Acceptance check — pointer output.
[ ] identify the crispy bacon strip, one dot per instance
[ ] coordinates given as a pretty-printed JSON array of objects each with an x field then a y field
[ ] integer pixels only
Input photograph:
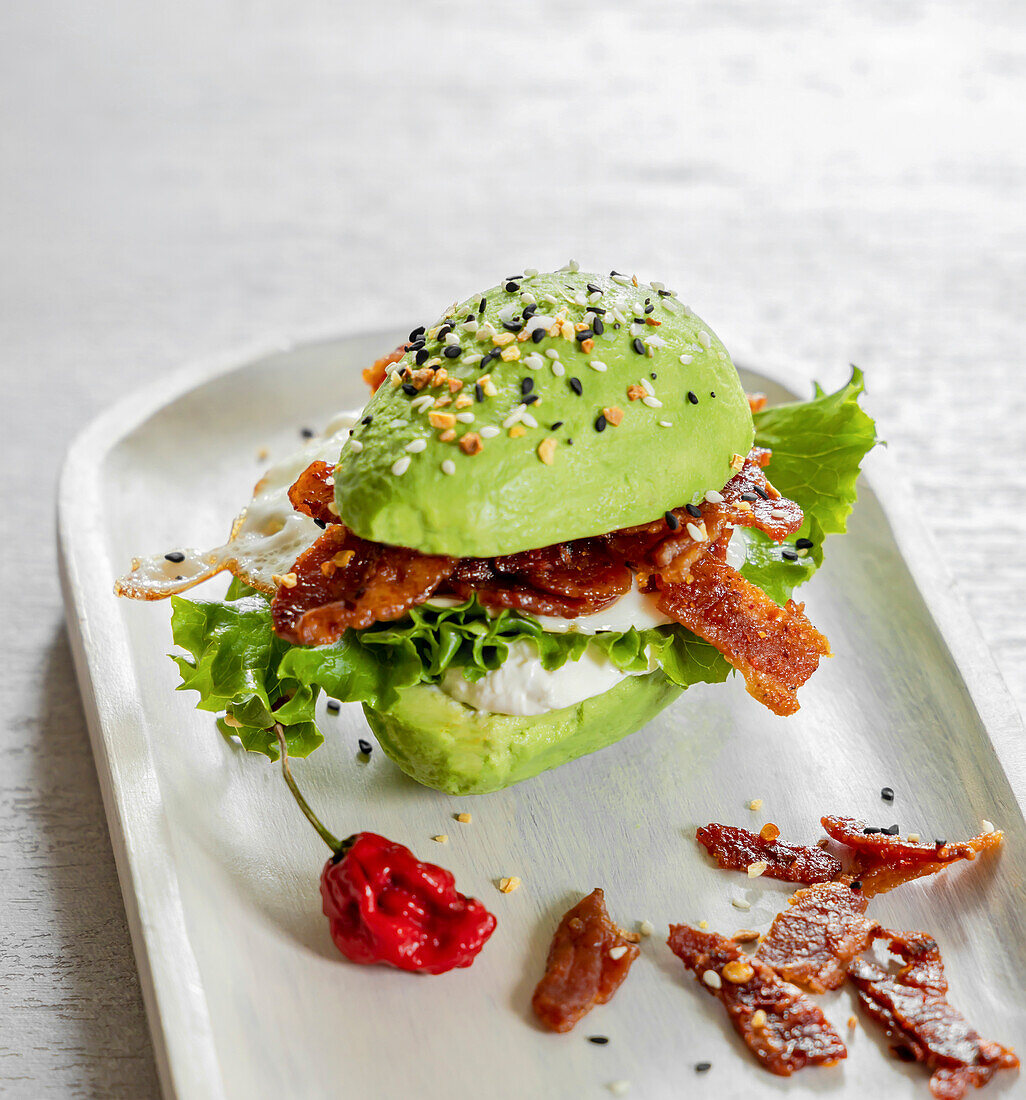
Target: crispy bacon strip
[
  {"x": 375, "y": 374},
  {"x": 735, "y": 849},
  {"x": 588, "y": 960},
  {"x": 749, "y": 500},
  {"x": 883, "y": 861},
  {"x": 775, "y": 648},
  {"x": 791, "y": 1031},
  {"x": 913, "y": 1010},
  {"x": 344, "y": 581},
  {"x": 814, "y": 941},
  {"x": 313, "y": 493}
]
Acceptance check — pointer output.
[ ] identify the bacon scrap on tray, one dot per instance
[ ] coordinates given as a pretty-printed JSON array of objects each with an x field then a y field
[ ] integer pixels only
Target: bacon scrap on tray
[
  {"x": 736, "y": 849},
  {"x": 912, "y": 1007},
  {"x": 377, "y": 372},
  {"x": 588, "y": 960},
  {"x": 783, "y": 1028},
  {"x": 681, "y": 558},
  {"x": 814, "y": 941},
  {"x": 884, "y": 860}
]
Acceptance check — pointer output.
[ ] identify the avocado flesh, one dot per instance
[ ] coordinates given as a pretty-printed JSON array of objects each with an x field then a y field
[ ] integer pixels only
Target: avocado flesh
[
  {"x": 507, "y": 498},
  {"x": 454, "y": 748}
]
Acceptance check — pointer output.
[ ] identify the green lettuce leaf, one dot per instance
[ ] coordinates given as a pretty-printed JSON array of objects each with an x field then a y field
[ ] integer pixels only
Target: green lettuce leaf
[{"x": 244, "y": 672}]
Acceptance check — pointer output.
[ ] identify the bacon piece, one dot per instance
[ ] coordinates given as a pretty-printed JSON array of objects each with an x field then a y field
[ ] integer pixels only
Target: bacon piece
[
  {"x": 912, "y": 1007},
  {"x": 775, "y": 648},
  {"x": 756, "y": 401},
  {"x": 375, "y": 374},
  {"x": 344, "y": 581},
  {"x": 749, "y": 500},
  {"x": 794, "y": 1032},
  {"x": 580, "y": 972},
  {"x": 567, "y": 579},
  {"x": 883, "y": 861},
  {"x": 734, "y": 849},
  {"x": 814, "y": 941},
  {"x": 314, "y": 495}
]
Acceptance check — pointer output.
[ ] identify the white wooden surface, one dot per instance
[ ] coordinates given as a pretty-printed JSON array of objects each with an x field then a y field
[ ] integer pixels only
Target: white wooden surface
[{"x": 827, "y": 184}]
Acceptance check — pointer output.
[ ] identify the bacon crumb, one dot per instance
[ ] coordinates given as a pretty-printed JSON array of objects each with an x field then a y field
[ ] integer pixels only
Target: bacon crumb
[
  {"x": 635, "y": 392},
  {"x": 613, "y": 415},
  {"x": 737, "y": 849},
  {"x": 471, "y": 444},
  {"x": 791, "y": 1033},
  {"x": 375, "y": 374},
  {"x": 582, "y": 970}
]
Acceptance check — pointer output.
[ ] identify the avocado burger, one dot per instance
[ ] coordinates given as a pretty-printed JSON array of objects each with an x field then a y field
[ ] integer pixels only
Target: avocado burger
[{"x": 558, "y": 510}]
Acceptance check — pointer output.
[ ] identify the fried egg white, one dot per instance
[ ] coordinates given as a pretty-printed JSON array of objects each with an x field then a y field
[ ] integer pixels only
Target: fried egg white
[{"x": 265, "y": 539}]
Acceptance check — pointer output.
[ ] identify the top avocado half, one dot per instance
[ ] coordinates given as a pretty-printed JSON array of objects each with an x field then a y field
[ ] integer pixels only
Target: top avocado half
[{"x": 551, "y": 407}]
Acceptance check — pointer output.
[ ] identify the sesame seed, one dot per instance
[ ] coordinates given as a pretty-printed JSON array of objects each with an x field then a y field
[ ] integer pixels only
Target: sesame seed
[
  {"x": 597, "y": 364},
  {"x": 364, "y": 746},
  {"x": 575, "y": 385},
  {"x": 712, "y": 979},
  {"x": 366, "y": 419},
  {"x": 671, "y": 521},
  {"x": 409, "y": 389},
  {"x": 755, "y": 804},
  {"x": 176, "y": 556},
  {"x": 988, "y": 826},
  {"x": 757, "y": 868},
  {"x": 713, "y": 496},
  {"x": 416, "y": 446},
  {"x": 696, "y": 532},
  {"x": 528, "y": 420},
  {"x": 306, "y": 433},
  {"x": 478, "y": 392},
  {"x": 448, "y": 466},
  {"x": 638, "y": 346},
  {"x": 465, "y": 417},
  {"x": 651, "y": 402},
  {"x": 512, "y": 287},
  {"x": 887, "y": 794},
  {"x": 803, "y": 544},
  {"x": 552, "y": 353},
  {"x": 740, "y": 903},
  {"x": 473, "y": 358},
  {"x": 618, "y": 952},
  {"x": 665, "y": 423},
  {"x": 692, "y": 397},
  {"x": 619, "y": 1088},
  {"x": 704, "y": 339},
  {"x": 489, "y": 432},
  {"x": 401, "y": 465},
  {"x": 600, "y": 423},
  {"x": 334, "y": 706},
  {"x": 442, "y": 838},
  {"x": 788, "y": 555},
  {"x": 686, "y": 359},
  {"x": 534, "y": 361},
  {"x": 598, "y": 1040},
  {"x": 703, "y": 1067},
  {"x": 526, "y": 385},
  {"x": 558, "y": 369},
  {"x": 693, "y": 510}
]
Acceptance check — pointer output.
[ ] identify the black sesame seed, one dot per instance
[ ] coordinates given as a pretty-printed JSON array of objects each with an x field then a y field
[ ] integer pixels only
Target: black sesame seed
[
  {"x": 887, "y": 794},
  {"x": 481, "y": 305},
  {"x": 870, "y": 830},
  {"x": 452, "y": 351},
  {"x": 417, "y": 333},
  {"x": 856, "y": 885},
  {"x": 638, "y": 346},
  {"x": 598, "y": 326},
  {"x": 513, "y": 278},
  {"x": 648, "y": 309},
  {"x": 306, "y": 433},
  {"x": 555, "y": 427},
  {"x": 762, "y": 492},
  {"x": 612, "y": 274},
  {"x": 469, "y": 317},
  {"x": 671, "y": 521},
  {"x": 409, "y": 389},
  {"x": 584, "y": 334},
  {"x": 692, "y": 397},
  {"x": 600, "y": 422},
  {"x": 176, "y": 556},
  {"x": 639, "y": 320},
  {"x": 905, "y": 1054},
  {"x": 569, "y": 442},
  {"x": 417, "y": 344},
  {"x": 693, "y": 510},
  {"x": 365, "y": 747},
  {"x": 334, "y": 706},
  {"x": 526, "y": 385},
  {"x": 703, "y": 1067},
  {"x": 538, "y": 335},
  {"x": 512, "y": 286},
  {"x": 531, "y": 398},
  {"x": 598, "y": 1040},
  {"x": 443, "y": 332},
  {"x": 179, "y": 577},
  {"x": 749, "y": 497},
  {"x": 478, "y": 392},
  {"x": 595, "y": 309},
  {"x": 940, "y": 841},
  {"x": 653, "y": 376},
  {"x": 529, "y": 312},
  {"x": 320, "y": 523},
  {"x": 789, "y": 555},
  {"x": 593, "y": 289},
  {"x": 891, "y": 830},
  {"x": 712, "y": 393},
  {"x": 803, "y": 544},
  {"x": 490, "y": 357},
  {"x": 512, "y": 326},
  {"x": 366, "y": 419},
  {"x": 421, "y": 357},
  {"x": 575, "y": 385}
]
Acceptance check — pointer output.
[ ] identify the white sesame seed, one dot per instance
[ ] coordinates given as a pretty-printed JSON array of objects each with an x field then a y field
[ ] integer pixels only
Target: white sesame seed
[
  {"x": 490, "y": 431},
  {"x": 595, "y": 296},
  {"x": 655, "y": 342},
  {"x": 657, "y": 286},
  {"x": 549, "y": 299},
  {"x": 465, "y": 418},
  {"x": 638, "y": 330},
  {"x": 401, "y": 465},
  {"x": 552, "y": 353},
  {"x": 355, "y": 446},
  {"x": 399, "y": 422},
  {"x": 528, "y": 299},
  {"x": 652, "y": 402},
  {"x": 685, "y": 359},
  {"x": 665, "y": 423},
  {"x": 740, "y": 903},
  {"x": 515, "y": 416},
  {"x": 713, "y": 496},
  {"x": 696, "y": 532},
  {"x": 757, "y": 868},
  {"x": 988, "y": 826},
  {"x": 579, "y": 299},
  {"x": 648, "y": 387},
  {"x": 558, "y": 369},
  {"x": 529, "y": 420},
  {"x": 530, "y": 272},
  {"x": 704, "y": 338},
  {"x": 712, "y": 979},
  {"x": 646, "y": 928},
  {"x": 618, "y": 317},
  {"x": 448, "y": 466},
  {"x": 617, "y": 952},
  {"x": 597, "y": 364},
  {"x": 777, "y": 513},
  {"x": 422, "y": 402},
  {"x": 533, "y": 361},
  {"x": 574, "y": 266},
  {"x": 472, "y": 358},
  {"x": 471, "y": 325},
  {"x": 623, "y": 280},
  {"x": 619, "y": 1088},
  {"x": 416, "y": 446},
  {"x": 451, "y": 338}
]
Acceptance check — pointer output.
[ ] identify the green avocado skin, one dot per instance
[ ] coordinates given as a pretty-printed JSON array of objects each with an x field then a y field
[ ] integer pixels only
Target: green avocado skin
[
  {"x": 505, "y": 499},
  {"x": 443, "y": 744}
]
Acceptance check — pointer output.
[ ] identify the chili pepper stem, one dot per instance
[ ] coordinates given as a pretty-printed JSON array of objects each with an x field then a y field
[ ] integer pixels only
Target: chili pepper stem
[{"x": 331, "y": 841}]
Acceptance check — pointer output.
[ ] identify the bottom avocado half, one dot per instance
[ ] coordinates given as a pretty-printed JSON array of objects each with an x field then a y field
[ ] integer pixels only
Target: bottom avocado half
[{"x": 454, "y": 748}]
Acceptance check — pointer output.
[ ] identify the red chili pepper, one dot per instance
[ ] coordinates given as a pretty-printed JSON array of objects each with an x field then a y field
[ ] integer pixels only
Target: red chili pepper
[{"x": 385, "y": 906}]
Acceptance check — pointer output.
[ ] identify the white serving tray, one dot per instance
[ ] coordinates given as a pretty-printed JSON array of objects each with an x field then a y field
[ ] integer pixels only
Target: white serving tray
[{"x": 246, "y": 995}]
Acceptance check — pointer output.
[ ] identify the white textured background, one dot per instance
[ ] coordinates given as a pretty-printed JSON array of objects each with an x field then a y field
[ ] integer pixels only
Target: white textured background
[{"x": 823, "y": 183}]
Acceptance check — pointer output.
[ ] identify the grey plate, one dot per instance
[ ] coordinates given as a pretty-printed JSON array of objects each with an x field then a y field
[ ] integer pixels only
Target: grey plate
[{"x": 245, "y": 993}]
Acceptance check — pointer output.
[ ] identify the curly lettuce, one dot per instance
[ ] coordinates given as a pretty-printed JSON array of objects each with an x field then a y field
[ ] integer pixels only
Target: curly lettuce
[{"x": 244, "y": 672}]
